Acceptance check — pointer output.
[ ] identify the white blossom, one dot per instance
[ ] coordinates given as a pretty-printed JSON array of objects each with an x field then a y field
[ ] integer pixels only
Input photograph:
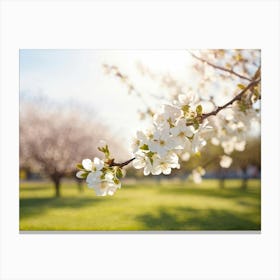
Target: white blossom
[
  {"x": 171, "y": 113},
  {"x": 197, "y": 174},
  {"x": 98, "y": 164},
  {"x": 159, "y": 120},
  {"x": 99, "y": 177},
  {"x": 93, "y": 178},
  {"x": 185, "y": 156},
  {"x": 162, "y": 142},
  {"x": 228, "y": 146},
  {"x": 215, "y": 141},
  {"x": 88, "y": 165},
  {"x": 225, "y": 161},
  {"x": 199, "y": 136},
  {"x": 197, "y": 143},
  {"x": 106, "y": 186},
  {"x": 240, "y": 146},
  {"x": 165, "y": 164},
  {"x": 138, "y": 141},
  {"x": 186, "y": 99},
  {"x": 180, "y": 132},
  {"x": 142, "y": 161}
]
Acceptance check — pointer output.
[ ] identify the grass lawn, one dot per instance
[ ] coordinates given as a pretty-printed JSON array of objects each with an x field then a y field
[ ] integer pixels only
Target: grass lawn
[{"x": 142, "y": 206}]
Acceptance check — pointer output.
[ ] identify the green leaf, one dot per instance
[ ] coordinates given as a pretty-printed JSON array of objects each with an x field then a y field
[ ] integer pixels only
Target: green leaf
[
  {"x": 144, "y": 147},
  {"x": 198, "y": 154},
  {"x": 195, "y": 124},
  {"x": 84, "y": 176},
  {"x": 170, "y": 123},
  {"x": 80, "y": 166},
  {"x": 185, "y": 108},
  {"x": 105, "y": 150},
  {"x": 199, "y": 110},
  {"x": 241, "y": 86},
  {"x": 242, "y": 106},
  {"x": 116, "y": 181},
  {"x": 119, "y": 173},
  {"x": 150, "y": 154}
]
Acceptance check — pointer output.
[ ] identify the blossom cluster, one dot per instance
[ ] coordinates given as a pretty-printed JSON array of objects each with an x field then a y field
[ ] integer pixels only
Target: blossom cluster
[
  {"x": 100, "y": 175},
  {"x": 177, "y": 131},
  {"x": 229, "y": 130},
  {"x": 197, "y": 174}
]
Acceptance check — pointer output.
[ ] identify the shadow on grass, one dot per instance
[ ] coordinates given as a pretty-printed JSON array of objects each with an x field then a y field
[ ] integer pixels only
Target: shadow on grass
[
  {"x": 218, "y": 193},
  {"x": 37, "y": 206},
  {"x": 186, "y": 218},
  {"x": 37, "y": 188}
]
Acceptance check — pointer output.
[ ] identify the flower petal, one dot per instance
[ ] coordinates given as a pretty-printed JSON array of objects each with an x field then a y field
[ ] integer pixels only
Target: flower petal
[
  {"x": 166, "y": 171},
  {"x": 109, "y": 176},
  {"x": 98, "y": 163},
  {"x": 93, "y": 178},
  {"x": 138, "y": 163},
  {"x": 225, "y": 161},
  {"x": 80, "y": 174},
  {"x": 87, "y": 164}
]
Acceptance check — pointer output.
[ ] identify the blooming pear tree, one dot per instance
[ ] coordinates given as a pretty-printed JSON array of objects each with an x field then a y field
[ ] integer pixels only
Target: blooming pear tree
[
  {"x": 188, "y": 119},
  {"x": 54, "y": 138}
]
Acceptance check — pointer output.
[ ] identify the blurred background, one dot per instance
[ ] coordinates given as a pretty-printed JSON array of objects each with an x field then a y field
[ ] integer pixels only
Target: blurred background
[{"x": 72, "y": 99}]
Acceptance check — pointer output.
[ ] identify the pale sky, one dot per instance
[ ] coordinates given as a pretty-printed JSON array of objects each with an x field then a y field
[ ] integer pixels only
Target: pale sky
[{"x": 64, "y": 75}]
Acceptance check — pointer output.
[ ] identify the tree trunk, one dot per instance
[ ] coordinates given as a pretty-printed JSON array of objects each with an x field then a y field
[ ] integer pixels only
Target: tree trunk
[
  {"x": 57, "y": 188},
  {"x": 80, "y": 186},
  {"x": 222, "y": 178},
  {"x": 56, "y": 178},
  {"x": 222, "y": 183},
  {"x": 244, "y": 183}
]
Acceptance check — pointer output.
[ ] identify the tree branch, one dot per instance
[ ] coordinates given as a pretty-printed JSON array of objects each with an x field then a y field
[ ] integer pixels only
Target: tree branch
[
  {"x": 237, "y": 97},
  {"x": 219, "y": 67},
  {"x": 122, "y": 164}
]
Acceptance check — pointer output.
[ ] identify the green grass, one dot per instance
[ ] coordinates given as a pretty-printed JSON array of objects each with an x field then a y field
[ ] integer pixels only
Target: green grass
[{"x": 142, "y": 206}]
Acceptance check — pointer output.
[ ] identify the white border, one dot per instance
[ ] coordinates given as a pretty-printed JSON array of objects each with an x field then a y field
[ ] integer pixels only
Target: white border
[{"x": 136, "y": 25}]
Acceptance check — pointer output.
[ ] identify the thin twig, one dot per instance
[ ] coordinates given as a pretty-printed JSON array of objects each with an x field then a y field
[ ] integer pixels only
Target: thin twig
[
  {"x": 124, "y": 78},
  {"x": 219, "y": 67},
  {"x": 122, "y": 164},
  {"x": 237, "y": 97}
]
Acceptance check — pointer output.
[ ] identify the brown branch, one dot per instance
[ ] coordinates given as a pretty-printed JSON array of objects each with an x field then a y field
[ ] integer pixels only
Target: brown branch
[
  {"x": 220, "y": 67},
  {"x": 237, "y": 97},
  {"x": 122, "y": 164}
]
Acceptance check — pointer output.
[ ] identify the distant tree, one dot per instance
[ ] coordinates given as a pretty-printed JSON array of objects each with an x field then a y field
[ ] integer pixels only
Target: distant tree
[
  {"x": 212, "y": 156},
  {"x": 248, "y": 160},
  {"x": 54, "y": 139}
]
